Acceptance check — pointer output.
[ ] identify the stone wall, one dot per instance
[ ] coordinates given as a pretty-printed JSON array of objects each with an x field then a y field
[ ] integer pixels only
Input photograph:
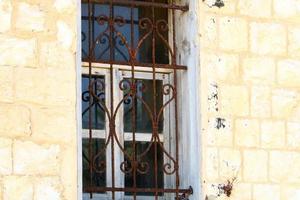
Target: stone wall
[
  {"x": 38, "y": 100},
  {"x": 250, "y": 75}
]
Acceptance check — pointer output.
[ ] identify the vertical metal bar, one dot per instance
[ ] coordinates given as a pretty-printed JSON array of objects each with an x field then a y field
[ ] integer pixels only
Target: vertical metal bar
[
  {"x": 155, "y": 125},
  {"x": 133, "y": 114},
  {"x": 90, "y": 95},
  {"x": 175, "y": 104},
  {"x": 112, "y": 122}
]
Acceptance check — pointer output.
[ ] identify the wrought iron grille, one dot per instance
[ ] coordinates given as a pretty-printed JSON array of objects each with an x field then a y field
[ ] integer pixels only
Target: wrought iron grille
[{"x": 140, "y": 36}]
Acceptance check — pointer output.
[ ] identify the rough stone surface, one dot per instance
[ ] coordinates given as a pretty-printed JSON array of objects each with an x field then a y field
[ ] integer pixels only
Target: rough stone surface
[{"x": 5, "y": 15}]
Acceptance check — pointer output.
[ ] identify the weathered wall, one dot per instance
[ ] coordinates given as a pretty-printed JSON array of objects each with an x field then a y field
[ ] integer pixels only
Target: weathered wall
[
  {"x": 37, "y": 100},
  {"x": 250, "y": 65}
]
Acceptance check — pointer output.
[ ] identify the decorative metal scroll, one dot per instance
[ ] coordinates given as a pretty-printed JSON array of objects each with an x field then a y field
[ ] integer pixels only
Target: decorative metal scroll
[{"x": 107, "y": 43}]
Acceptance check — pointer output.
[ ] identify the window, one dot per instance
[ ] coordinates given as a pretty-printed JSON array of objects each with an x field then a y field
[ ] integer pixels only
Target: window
[{"x": 129, "y": 100}]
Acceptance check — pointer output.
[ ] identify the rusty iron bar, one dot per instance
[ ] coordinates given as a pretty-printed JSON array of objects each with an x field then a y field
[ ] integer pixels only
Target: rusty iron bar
[{"x": 172, "y": 6}]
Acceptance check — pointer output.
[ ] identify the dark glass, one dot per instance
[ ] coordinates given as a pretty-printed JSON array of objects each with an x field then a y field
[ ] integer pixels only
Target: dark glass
[
  {"x": 100, "y": 36},
  {"x": 98, "y": 179},
  {"x": 143, "y": 121},
  {"x": 96, "y": 108},
  {"x": 145, "y": 180}
]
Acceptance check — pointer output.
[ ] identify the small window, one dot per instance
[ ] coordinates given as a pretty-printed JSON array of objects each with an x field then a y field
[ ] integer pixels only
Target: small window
[{"x": 129, "y": 112}]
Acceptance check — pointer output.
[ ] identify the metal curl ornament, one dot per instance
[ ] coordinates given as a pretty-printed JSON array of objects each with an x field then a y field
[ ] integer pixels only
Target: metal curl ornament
[
  {"x": 167, "y": 88},
  {"x": 125, "y": 85},
  {"x": 143, "y": 167},
  {"x": 162, "y": 25},
  {"x": 145, "y": 24},
  {"x": 102, "y": 19},
  {"x": 168, "y": 169},
  {"x": 119, "y": 20},
  {"x": 124, "y": 167},
  {"x": 99, "y": 166}
]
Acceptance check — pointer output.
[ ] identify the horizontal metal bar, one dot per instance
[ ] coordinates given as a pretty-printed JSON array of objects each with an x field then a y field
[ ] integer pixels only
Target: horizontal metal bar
[
  {"x": 127, "y": 189},
  {"x": 147, "y": 65},
  {"x": 143, "y": 3}
]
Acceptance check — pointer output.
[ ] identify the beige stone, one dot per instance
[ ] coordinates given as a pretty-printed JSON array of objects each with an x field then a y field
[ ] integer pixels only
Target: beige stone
[
  {"x": 53, "y": 55},
  {"x": 6, "y": 84},
  {"x": 284, "y": 102},
  {"x": 233, "y": 34},
  {"x": 241, "y": 191},
  {"x": 5, "y": 154},
  {"x": 261, "y": 101},
  {"x": 48, "y": 188},
  {"x": 55, "y": 124},
  {"x": 212, "y": 164},
  {"x": 65, "y": 35},
  {"x": 30, "y": 18},
  {"x": 230, "y": 163},
  {"x": 5, "y": 15},
  {"x": 14, "y": 120},
  {"x": 293, "y": 135},
  {"x": 266, "y": 192},
  {"x": 267, "y": 38},
  {"x": 255, "y": 165},
  {"x": 17, "y": 52},
  {"x": 291, "y": 193},
  {"x": 287, "y": 8},
  {"x": 259, "y": 70},
  {"x": 222, "y": 67},
  {"x": 294, "y": 41},
  {"x": 272, "y": 134},
  {"x": 66, "y": 6},
  {"x": 247, "y": 132},
  {"x": 219, "y": 132},
  {"x": 234, "y": 100},
  {"x": 17, "y": 188},
  {"x": 255, "y": 8},
  {"x": 284, "y": 167},
  {"x": 288, "y": 72},
  {"x": 209, "y": 31},
  {"x": 31, "y": 158}
]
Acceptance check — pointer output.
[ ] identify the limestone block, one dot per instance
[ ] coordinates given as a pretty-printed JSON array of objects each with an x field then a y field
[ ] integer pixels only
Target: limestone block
[
  {"x": 255, "y": 165},
  {"x": 30, "y": 18},
  {"x": 283, "y": 102},
  {"x": 228, "y": 8},
  {"x": 288, "y": 72},
  {"x": 209, "y": 34},
  {"x": 14, "y": 120},
  {"x": 287, "y": 8},
  {"x": 230, "y": 163},
  {"x": 247, "y": 132},
  {"x": 17, "y": 188},
  {"x": 224, "y": 67},
  {"x": 5, "y": 15},
  {"x": 212, "y": 164},
  {"x": 66, "y": 6},
  {"x": 266, "y": 192},
  {"x": 31, "y": 158},
  {"x": 233, "y": 34},
  {"x": 267, "y": 38},
  {"x": 6, "y": 84},
  {"x": 65, "y": 35},
  {"x": 241, "y": 191},
  {"x": 234, "y": 100},
  {"x": 260, "y": 101},
  {"x": 294, "y": 41},
  {"x": 293, "y": 135},
  {"x": 284, "y": 167},
  {"x": 17, "y": 52},
  {"x": 255, "y": 8},
  {"x": 48, "y": 188},
  {"x": 272, "y": 134},
  {"x": 5, "y": 154},
  {"x": 55, "y": 124},
  {"x": 219, "y": 132},
  {"x": 291, "y": 192},
  {"x": 259, "y": 70},
  {"x": 52, "y": 55}
]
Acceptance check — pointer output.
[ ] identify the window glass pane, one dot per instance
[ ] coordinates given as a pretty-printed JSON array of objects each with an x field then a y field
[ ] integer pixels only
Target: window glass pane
[
  {"x": 98, "y": 179},
  {"x": 122, "y": 30},
  {"x": 143, "y": 121},
  {"x": 96, "y": 108},
  {"x": 145, "y": 180}
]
